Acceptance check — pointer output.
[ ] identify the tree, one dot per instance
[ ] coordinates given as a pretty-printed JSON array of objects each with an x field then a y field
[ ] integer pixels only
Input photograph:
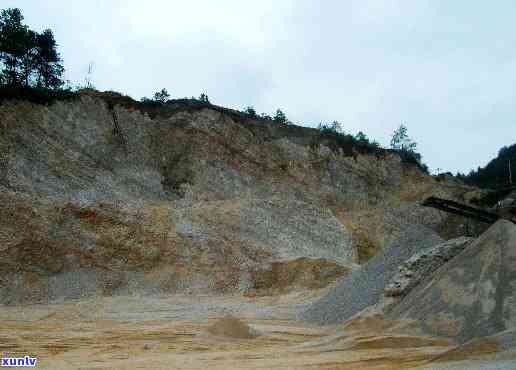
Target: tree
[
  {"x": 28, "y": 60},
  {"x": 265, "y": 117},
  {"x": 161, "y": 96},
  {"x": 331, "y": 128},
  {"x": 24, "y": 53},
  {"x": 204, "y": 98},
  {"x": 361, "y": 137},
  {"x": 13, "y": 45},
  {"x": 280, "y": 117},
  {"x": 336, "y": 126},
  {"x": 401, "y": 141},
  {"x": 250, "y": 111},
  {"x": 49, "y": 69},
  {"x": 498, "y": 172}
]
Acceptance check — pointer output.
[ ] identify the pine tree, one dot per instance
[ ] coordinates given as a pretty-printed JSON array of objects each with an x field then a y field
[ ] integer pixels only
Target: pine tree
[
  {"x": 161, "y": 96},
  {"x": 204, "y": 98},
  {"x": 25, "y": 53},
  {"x": 251, "y": 111},
  {"x": 361, "y": 137},
  {"x": 48, "y": 62},
  {"x": 280, "y": 117},
  {"x": 13, "y": 44}
]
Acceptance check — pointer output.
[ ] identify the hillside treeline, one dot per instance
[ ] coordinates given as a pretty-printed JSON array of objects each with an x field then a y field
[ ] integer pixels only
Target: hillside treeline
[{"x": 496, "y": 173}]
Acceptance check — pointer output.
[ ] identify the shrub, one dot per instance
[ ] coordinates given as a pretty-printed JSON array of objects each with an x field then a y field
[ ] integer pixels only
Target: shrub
[
  {"x": 161, "y": 96},
  {"x": 250, "y": 112}
]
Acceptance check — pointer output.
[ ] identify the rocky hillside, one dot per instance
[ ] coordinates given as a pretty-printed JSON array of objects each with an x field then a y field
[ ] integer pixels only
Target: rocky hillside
[{"x": 101, "y": 197}]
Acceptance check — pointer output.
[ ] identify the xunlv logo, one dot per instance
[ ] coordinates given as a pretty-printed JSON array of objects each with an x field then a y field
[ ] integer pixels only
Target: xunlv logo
[{"x": 19, "y": 361}]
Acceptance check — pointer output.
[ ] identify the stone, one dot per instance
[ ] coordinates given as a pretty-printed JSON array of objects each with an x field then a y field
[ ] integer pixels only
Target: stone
[
  {"x": 422, "y": 264},
  {"x": 365, "y": 286},
  {"x": 472, "y": 295}
]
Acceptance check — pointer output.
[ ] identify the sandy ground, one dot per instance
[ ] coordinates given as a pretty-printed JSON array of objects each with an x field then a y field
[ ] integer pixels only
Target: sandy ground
[{"x": 171, "y": 333}]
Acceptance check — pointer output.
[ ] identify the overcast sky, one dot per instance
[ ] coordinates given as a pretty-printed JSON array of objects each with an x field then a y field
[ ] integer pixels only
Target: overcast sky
[{"x": 446, "y": 69}]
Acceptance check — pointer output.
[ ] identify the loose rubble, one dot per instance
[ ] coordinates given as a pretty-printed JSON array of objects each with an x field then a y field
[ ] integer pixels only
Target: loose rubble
[
  {"x": 365, "y": 286},
  {"x": 416, "y": 268},
  {"x": 474, "y": 294}
]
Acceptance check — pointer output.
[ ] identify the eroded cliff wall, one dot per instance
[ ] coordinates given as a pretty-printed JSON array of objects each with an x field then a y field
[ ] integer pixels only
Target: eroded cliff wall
[{"x": 102, "y": 199}]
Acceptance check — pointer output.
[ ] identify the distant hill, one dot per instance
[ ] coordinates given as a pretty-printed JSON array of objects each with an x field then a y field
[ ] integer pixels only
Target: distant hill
[{"x": 496, "y": 173}]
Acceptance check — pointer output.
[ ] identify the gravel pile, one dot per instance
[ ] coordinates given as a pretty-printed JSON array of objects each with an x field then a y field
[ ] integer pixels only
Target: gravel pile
[
  {"x": 473, "y": 295},
  {"x": 422, "y": 264},
  {"x": 365, "y": 286}
]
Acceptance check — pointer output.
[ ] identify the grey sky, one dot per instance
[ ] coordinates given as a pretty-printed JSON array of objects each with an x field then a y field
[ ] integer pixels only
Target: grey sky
[{"x": 446, "y": 69}]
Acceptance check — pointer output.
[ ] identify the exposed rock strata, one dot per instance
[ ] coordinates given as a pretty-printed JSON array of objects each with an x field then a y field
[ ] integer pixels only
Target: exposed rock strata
[{"x": 191, "y": 200}]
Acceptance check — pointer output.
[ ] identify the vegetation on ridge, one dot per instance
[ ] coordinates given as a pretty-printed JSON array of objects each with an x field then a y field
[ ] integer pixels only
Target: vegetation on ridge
[
  {"x": 27, "y": 58},
  {"x": 406, "y": 147},
  {"x": 32, "y": 71},
  {"x": 496, "y": 173}
]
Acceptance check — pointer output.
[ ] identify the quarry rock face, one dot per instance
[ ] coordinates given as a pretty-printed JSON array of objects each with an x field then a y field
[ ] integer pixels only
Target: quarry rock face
[
  {"x": 104, "y": 199},
  {"x": 474, "y": 294}
]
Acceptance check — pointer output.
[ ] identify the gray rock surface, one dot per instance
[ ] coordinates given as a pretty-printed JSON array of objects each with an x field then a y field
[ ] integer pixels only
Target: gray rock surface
[
  {"x": 474, "y": 294},
  {"x": 185, "y": 198},
  {"x": 365, "y": 286},
  {"x": 422, "y": 264}
]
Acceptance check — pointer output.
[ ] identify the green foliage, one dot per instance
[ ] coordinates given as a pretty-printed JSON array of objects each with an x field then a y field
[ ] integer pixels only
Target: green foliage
[
  {"x": 162, "y": 96},
  {"x": 406, "y": 148},
  {"x": 401, "y": 141},
  {"x": 332, "y": 128},
  {"x": 413, "y": 157},
  {"x": 361, "y": 137},
  {"x": 27, "y": 57},
  {"x": 280, "y": 117},
  {"x": 204, "y": 98},
  {"x": 265, "y": 117},
  {"x": 333, "y": 135},
  {"x": 250, "y": 111},
  {"x": 496, "y": 173},
  {"x": 36, "y": 95},
  {"x": 13, "y": 39},
  {"x": 47, "y": 61}
]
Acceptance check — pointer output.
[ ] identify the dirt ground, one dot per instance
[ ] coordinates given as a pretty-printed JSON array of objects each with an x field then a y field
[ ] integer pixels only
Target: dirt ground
[{"x": 173, "y": 333}]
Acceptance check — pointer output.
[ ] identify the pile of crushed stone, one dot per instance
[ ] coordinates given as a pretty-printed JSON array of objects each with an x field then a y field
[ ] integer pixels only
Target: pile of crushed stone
[
  {"x": 474, "y": 294},
  {"x": 365, "y": 286},
  {"x": 423, "y": 264},
  {"x": 232, "y": 327}
]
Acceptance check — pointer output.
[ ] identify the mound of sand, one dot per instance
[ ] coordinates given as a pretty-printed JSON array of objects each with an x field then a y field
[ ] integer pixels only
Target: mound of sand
[
  {"x": 232, "y": 327},
  {"x": 365, "y": 286},
  {"x": 474, "y": 294}
]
